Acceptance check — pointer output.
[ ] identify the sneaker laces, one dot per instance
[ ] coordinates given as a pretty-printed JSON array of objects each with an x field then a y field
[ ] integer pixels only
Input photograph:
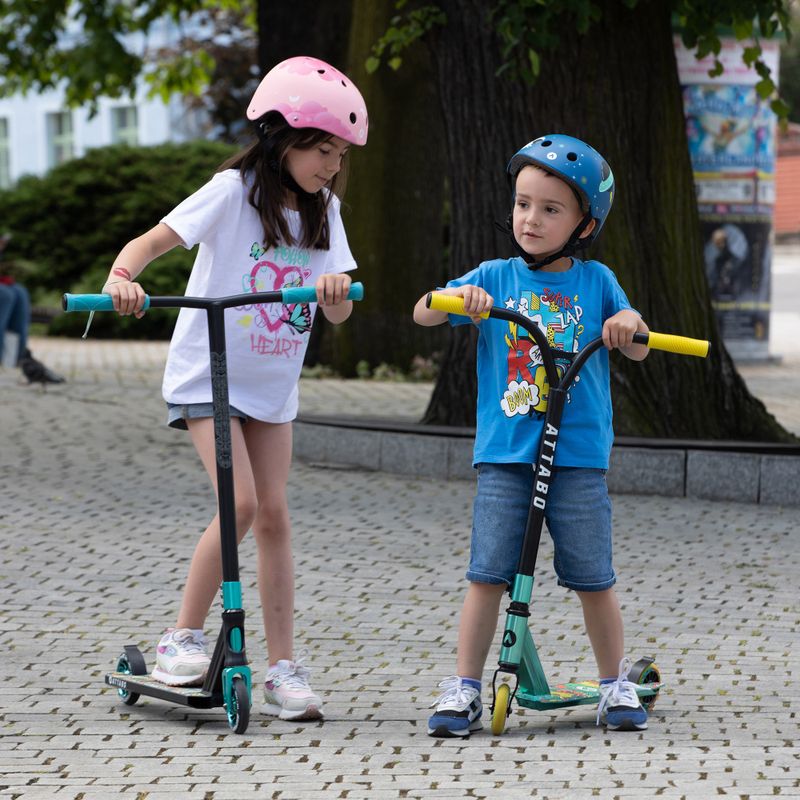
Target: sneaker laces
[
  {"x": 456, "y": 692},
  {"x": 294, "y": 674},
  {"x": 621, "y": 692},
  {"x": 189, "y": 643}
]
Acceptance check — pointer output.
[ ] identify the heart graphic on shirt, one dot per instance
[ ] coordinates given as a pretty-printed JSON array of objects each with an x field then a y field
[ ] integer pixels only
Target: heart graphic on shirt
[{"x": 268, "y": 277}]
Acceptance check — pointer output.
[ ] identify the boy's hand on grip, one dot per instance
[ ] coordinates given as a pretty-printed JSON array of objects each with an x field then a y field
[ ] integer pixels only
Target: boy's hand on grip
[{"x": 477, "y": 301}]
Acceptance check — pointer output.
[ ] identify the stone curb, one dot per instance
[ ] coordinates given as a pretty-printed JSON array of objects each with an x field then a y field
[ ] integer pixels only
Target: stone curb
[{"x": 745, "y": 477}]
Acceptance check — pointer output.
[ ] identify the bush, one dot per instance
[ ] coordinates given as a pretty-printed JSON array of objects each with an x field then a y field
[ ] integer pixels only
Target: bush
[{"x": 69, "y": 225}]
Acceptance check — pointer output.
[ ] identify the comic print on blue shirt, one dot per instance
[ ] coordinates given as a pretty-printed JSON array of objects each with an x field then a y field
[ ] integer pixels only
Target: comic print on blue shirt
[{"x": 570, "y": 309}]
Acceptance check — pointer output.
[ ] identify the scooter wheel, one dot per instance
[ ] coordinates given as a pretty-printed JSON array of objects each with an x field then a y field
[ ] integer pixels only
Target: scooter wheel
[
  {"x": 500, "y": 709},
  {"x": 643, "y": 672},
  {"x": 239, "y": 707},
  {"x": 131, "y": 662}
]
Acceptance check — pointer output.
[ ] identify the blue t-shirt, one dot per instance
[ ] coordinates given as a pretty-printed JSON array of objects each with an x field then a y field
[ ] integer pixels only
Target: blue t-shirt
[{"x": 570, "y": 308}]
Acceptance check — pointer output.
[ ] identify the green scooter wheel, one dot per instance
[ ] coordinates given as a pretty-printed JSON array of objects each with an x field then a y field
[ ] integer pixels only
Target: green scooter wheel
[
  {"x": 239, "y": 706},
  {"x": 130, "y": 663},
  {"x": 642, "y": 673},
  {"x": 500, "y": 709}
]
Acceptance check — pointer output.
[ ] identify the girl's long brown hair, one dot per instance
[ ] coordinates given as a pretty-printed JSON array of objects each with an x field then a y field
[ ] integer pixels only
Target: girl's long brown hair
[{"x": 268, "y": 194}]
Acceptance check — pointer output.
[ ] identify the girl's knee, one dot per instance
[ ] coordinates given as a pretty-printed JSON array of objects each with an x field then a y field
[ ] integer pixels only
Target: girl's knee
[
  {"x": 246, "y": 510},
  {"x": 271, "y": 520}
]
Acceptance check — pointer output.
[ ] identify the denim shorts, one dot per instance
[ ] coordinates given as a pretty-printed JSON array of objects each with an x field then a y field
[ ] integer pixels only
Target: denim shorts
[
  {"x": 178, "y": 414},
  {"x": 578, "y": 516}
]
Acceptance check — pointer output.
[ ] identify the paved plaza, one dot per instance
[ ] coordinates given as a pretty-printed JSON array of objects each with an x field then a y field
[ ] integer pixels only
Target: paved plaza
[{"x": 100, "y": 506}]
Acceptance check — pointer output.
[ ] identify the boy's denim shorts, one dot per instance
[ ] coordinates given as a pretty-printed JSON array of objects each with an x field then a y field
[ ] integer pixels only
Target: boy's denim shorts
[
  {"x": 178, "y": 414},
  {"x": 578, "y": 516}
]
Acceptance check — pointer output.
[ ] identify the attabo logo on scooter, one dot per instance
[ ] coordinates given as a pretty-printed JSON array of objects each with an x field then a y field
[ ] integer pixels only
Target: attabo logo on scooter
[
  {"x": 509, "y": 638},
  {"x": 544, "y": 470},
  {"x": 119, "y": 682}
]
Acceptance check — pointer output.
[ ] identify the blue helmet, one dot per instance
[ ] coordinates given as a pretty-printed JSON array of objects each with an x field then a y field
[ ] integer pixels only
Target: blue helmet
[{"x": 577, "y": 163}]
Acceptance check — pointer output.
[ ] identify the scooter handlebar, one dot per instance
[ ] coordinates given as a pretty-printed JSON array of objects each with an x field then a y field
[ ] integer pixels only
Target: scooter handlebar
[
  {"x": 308, "y": 294},
  {"x": 450, "y": 304},
  {"x": 288, "y": 296},
  {"x": 683, "y": 345},
  {"x": 92, "y": 302}
]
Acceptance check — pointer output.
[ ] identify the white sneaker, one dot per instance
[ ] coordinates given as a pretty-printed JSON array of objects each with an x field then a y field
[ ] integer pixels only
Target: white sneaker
[
  {"x": 287, "y": 694},
  {"x": 458, "y": 710},
  {"x": 181, "y": 658},
  {"x": 620, "y": 708}
]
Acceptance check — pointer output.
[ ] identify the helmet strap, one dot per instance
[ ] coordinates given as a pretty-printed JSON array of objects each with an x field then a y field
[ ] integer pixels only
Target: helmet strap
[{"x": 572, "y": 245}]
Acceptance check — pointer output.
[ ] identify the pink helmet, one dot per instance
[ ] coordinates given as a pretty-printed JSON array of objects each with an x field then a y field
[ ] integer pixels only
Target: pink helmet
[{"x": 309, "y": 93}]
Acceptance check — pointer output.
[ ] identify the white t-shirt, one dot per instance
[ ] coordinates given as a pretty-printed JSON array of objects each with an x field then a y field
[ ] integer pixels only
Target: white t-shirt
[{"x": 265, "y": 344}]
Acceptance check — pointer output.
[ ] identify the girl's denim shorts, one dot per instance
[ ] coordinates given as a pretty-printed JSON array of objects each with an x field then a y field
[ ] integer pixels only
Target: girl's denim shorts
[
  {"x": 578, "y": 516},
  {"x": 178, "y": 414}
]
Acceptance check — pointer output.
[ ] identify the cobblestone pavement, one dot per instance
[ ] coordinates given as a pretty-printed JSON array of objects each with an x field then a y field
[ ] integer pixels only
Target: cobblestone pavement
[
  {"x": 119, "y": 364},
  {"x": 100, "y": 506}
]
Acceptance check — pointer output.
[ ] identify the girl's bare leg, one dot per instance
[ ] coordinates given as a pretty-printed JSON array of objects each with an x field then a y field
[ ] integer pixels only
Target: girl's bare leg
[
  {"x": 205, "y": 571},
  {"x": 270, "y": 449}
]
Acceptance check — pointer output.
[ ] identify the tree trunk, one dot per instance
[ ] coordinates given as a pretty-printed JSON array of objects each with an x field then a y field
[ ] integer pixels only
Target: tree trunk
[
  {"x": 617, "y": 88},
  {"x": 302, "y": 28},
  {"x": 393, "y": 207}
]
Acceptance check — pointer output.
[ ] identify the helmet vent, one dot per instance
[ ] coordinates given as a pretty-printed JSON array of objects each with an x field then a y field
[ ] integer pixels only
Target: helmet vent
[
  {"x": 321, "y": 71},
  {"x": 344, "y": 84},
  {"x": 353, "y": 117},
  {"x": 546, "y": 143},
  {"x": 572, "y": 157}
]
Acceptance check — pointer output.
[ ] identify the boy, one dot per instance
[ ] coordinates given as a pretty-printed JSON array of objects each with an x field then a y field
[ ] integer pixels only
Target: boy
[{"x": 563, "y": 191}]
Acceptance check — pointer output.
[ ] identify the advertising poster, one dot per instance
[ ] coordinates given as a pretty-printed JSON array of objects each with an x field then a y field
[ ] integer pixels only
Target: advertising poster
[
  {"x": 737, "y": 253},
  {"x": 731, "y": 133}
]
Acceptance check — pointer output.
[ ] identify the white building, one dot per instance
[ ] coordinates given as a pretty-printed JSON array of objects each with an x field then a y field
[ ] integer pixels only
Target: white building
[{"x": 38, "y": 131}]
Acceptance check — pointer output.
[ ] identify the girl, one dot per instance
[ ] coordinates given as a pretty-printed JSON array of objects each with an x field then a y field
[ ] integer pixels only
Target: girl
[{"x": 268, "y": 219}]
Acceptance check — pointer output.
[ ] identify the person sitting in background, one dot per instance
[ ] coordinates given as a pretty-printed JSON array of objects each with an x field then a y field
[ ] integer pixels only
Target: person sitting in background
[{"x": 15, "y": 320}]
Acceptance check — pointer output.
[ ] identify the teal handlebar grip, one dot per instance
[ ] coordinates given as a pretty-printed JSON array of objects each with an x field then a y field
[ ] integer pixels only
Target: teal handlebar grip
[
  {"x": 308, "y": 294},
  {"x": 93, "y": 302}
]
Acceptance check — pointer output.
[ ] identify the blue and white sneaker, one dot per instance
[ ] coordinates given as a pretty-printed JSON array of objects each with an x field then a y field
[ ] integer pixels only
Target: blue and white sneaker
[
  {"x": 458, "y": 710},
  {"x": 619, "y": 707}
]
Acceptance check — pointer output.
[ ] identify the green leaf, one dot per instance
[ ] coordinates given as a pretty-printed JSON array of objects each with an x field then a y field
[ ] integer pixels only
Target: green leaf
[
  {"x": 765, "y": 88},
  {"x": 751, "y": 54},
  {"x": 395, "y": 62},
  {"x": 533, "y": 58},
  {"x": 372, "y": 64},
  {"x": 743, "y": 30},
  {"x": 780, "y": 108}
]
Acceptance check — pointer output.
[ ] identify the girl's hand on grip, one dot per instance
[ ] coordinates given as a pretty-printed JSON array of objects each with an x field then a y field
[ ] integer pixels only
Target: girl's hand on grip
[
  {"x": 332, "y": 289},
  {"x": 128, "y": 297}
]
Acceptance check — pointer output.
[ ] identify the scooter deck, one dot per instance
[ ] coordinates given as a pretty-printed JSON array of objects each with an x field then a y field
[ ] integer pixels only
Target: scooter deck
[
  {"x": 574, "y": 694},
  {"x": 193, "y": 696}
]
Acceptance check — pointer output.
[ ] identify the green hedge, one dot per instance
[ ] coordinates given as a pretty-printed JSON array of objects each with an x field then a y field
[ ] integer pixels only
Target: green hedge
[{"x": 69, "y": 225}]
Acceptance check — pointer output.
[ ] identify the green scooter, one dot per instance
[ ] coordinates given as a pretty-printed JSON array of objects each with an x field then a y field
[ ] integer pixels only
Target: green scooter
[{"x": 518, "y": 655}]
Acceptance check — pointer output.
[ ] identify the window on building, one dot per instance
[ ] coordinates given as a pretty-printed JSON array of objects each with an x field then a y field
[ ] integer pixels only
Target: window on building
[
  {"x": 60, "y": 138},
  {"x": 5, "y": 155},
  {"x": 124, "y": 125}
]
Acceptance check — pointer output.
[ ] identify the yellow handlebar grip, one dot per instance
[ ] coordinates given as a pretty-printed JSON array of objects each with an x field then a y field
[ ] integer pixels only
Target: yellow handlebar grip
[
  {"x": 450, "y": 304},
  {"x": 678, "y": 344}
]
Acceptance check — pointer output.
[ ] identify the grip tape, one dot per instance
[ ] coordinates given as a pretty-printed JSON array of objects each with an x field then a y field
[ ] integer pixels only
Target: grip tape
[
  {"x": 450, "y": 304},
  {"x": 678, "y": 344}
]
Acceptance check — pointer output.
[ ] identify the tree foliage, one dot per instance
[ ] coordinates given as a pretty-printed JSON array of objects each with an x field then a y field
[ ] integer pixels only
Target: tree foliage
[
  {"x": 100, "y": 48},
  {"x": 528, "y": 29},
  {"x": 68, "y": 225}
]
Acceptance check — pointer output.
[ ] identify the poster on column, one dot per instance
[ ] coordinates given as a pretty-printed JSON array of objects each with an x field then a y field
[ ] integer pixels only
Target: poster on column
[
  {"x": 737, "y": 254},
  {"x": 731, "y": 134}
]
